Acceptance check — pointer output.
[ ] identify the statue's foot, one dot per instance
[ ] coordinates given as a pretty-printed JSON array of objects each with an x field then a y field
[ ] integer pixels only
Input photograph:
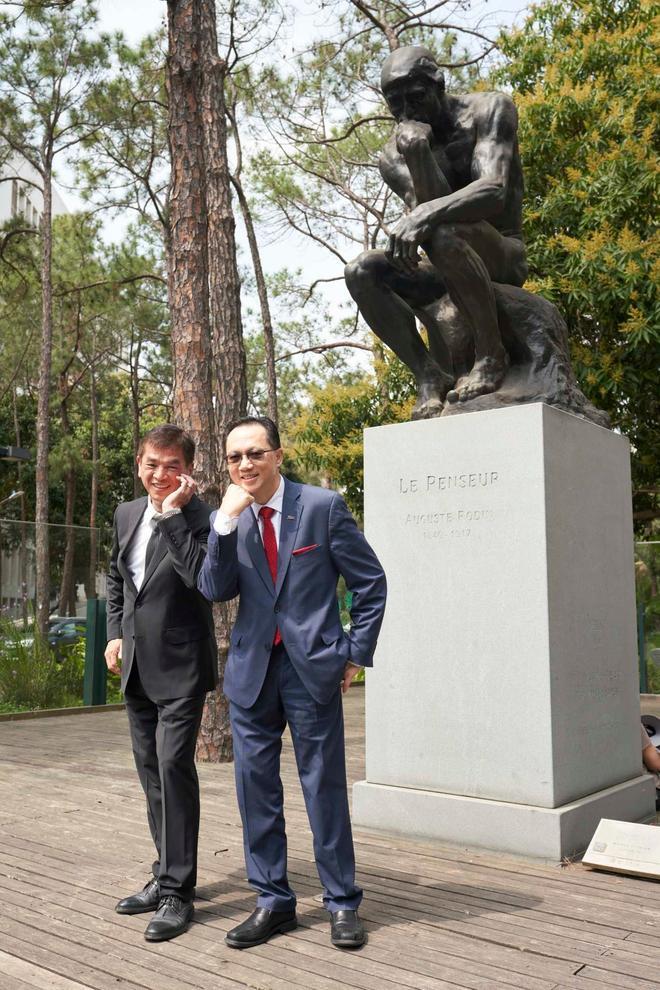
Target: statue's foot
[
  {"x": 486, "y": 376},
  {"x": 431, "y": 397}
]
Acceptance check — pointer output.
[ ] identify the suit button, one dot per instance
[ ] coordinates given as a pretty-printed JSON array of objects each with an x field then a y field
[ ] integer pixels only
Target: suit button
[
  {"x": 277, "y": 608},
  {"x": 268, "y": 646},
  {"x": 138, "y": 604}
]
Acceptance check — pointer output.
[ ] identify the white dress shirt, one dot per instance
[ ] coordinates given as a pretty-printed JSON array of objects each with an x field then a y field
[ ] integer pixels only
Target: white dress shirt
[
  {"x": 223, "y": 525},
  {"x": 138, "y": 548}
]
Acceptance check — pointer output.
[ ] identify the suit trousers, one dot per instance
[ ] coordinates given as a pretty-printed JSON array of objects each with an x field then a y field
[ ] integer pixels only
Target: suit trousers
[
  {"x": 163, "y": 735},
  {"x": 317, "y": 732}
]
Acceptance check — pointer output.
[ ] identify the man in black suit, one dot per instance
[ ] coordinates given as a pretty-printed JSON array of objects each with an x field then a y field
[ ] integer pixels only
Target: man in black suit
[{"x": 162, "y": 628}]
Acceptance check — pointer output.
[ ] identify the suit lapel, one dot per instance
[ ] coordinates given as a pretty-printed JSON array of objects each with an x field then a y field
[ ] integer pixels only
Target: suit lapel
[
  {"x": 159, "y": 553},
  {"x": 291, "y": 513},
  {"x": 248, "y": 533}
]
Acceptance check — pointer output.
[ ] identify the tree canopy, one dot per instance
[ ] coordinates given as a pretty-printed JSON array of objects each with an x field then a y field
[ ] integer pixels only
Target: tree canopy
[{"x": 583, "y": 75}]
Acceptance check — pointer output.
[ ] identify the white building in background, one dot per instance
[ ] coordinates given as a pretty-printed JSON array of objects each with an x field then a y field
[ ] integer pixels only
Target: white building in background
[{"x": 20, "y": 193}]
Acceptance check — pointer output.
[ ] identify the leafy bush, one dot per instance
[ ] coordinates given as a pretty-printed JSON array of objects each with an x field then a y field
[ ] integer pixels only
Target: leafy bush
[{"x": 31, "y": 678}]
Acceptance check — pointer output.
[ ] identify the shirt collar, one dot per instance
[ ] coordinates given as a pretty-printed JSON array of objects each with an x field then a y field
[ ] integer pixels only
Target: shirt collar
[
  {"x": 275, "y": 502},
  {"x": 150, "y": 511}
]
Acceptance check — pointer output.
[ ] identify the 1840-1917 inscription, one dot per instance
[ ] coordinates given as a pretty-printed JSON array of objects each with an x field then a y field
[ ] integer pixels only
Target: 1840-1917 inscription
[{"x": 455, "y": 521}]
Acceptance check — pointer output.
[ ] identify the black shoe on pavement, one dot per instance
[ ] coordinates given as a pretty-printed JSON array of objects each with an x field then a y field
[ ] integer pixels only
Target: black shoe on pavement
[
  {"x": 171, "y": 919},
  {"x": 146, "y": 900},
  {"x": 346, "y": 930},
  {"x": 259, "y": 927}
]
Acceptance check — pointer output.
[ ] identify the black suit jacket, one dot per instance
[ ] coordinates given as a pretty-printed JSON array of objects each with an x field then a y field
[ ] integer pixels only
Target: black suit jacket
[{"x": 167, "y": 623}]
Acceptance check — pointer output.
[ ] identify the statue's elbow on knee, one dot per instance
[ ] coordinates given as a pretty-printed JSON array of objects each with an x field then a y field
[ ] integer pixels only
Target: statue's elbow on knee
[
  {"x": 364, "y": 271},
  {"x": 354, "y": 273}
]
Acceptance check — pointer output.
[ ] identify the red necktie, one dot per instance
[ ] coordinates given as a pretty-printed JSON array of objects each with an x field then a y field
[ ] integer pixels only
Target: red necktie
[{"x": 270, "y": 547}]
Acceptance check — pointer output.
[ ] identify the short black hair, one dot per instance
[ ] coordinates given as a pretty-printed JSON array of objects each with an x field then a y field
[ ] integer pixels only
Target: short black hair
[
  {"x": 268, "y": 424},
  {"x": 169, "y": 435}
]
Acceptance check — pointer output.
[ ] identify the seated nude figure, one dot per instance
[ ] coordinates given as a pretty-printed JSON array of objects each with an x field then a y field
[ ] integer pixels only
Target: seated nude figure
[{"x": 454, "y": 162}]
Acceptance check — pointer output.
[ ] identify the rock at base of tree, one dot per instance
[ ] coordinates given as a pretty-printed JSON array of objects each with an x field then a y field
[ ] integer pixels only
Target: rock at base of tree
[{"x": 536, "y": 338}]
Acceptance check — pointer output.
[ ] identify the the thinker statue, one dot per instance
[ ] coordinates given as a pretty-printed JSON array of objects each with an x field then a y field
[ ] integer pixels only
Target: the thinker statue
[{"x": 454, "y": 161}]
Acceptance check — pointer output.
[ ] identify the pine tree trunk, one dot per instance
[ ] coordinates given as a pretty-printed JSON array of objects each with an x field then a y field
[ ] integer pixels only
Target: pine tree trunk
[
  {"x": 42, "y": 553},
  {"x": 24, "y": 529},
  {"x": 135, "y": 416},
  {"x": 188, "y": 279},
  {"x": 94, "y": 485},
  {"x": 67, "y": 598},
  {"x": 224, "y": 283},
  {"x": 262, "y": 293},
  {"x": 214, "y": 742},
  {"x": 199, "y": 298}
]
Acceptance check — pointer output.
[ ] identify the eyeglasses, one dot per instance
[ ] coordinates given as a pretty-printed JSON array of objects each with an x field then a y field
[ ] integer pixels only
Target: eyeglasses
[{"x": 250, "y": 455}]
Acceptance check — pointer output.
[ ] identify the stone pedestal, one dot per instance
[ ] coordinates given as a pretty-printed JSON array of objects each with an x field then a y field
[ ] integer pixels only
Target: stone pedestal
[{"x": 503, "y": 707}]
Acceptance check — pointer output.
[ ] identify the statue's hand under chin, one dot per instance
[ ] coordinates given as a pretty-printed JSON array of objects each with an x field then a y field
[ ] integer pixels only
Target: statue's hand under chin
[{"x": 412, "y": 135}]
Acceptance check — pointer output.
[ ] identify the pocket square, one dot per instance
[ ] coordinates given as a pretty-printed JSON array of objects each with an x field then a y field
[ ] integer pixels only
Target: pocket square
[{"x": 312, "y": 546}]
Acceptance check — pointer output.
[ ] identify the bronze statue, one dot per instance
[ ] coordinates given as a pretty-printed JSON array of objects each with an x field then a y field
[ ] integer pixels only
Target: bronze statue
[{"x": 454, "y": 161}]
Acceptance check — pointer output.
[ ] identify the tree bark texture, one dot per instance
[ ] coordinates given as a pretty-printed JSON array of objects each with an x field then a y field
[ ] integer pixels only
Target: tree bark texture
[
  {"x": 134, "y": 358},
  {"x": 94, "y": 484},
  {"x": 224, "y": 283},
  {"x": 24, "y": 528},
  {"x": 66, "y": 600},
  {"x": 188, "y": 278},
  {"x": 67, "y": 597},
  {"x": 43, "y": 411},
  {"x": 262, "y": 293},
  {"x": 203, "y": 285}
]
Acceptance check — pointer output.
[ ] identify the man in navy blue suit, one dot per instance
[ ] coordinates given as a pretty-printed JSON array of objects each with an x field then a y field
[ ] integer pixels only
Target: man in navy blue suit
[{"x": 282, "y": 546}]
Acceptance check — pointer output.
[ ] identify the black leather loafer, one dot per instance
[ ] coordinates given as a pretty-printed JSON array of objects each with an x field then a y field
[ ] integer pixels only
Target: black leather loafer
[
  {"x": 171, "y": 919},
  {"x": 346, "y": 930},
  {"x": 146, "y": 900},
  {"x": 259, "y": 927}
]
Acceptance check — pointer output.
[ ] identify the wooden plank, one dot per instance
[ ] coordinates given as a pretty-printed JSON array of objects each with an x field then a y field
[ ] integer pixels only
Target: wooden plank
[
  {"x": 16, "y": 973},
  {"x": 187, "y": 962},
  {"x": 644, "y": 939},
  {"x": 94, "y": 979},
  {"x": 439, "y": 918}
]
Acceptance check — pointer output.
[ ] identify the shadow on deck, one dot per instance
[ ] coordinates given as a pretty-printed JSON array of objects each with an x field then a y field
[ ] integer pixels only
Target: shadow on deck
[{"x": 74, "y": 839}]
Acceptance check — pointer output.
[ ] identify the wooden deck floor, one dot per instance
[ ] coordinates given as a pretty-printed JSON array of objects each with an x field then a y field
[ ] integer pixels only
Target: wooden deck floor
[{"x": 73, "y": 839}]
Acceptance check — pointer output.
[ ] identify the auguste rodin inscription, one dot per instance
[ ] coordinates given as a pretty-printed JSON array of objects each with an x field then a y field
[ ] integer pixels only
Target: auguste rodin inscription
[{"x": 450, "y": 519}]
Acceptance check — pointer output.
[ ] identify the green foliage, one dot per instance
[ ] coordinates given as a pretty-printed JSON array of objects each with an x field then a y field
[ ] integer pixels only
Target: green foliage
[
  {"x": 108, "y": 321},
  {"x": 328, "y": 434},
  {"x": 124, "y": 164},
  {"x": 583, "y": 74},
  {"x": 31, "y": 677},
  {"x": 49, "y": 61}
]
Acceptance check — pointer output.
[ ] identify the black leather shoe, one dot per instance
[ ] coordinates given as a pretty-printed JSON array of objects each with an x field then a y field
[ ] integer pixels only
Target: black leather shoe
[
  {"x": 259, "y": 927},
  {"x": 171, "y": 919},
  {"x": 146, "y": 900},
  {"x": 346, "y": 930}
]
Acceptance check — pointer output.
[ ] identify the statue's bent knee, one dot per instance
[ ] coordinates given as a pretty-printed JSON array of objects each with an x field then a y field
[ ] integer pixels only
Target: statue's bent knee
[
  {"x": 451, "y": 238},
  {"x": 364, "y": 270}
]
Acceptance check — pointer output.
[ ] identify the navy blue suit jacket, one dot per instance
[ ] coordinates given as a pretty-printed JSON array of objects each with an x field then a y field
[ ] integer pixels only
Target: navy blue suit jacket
[{"x": 319, "y": 540}]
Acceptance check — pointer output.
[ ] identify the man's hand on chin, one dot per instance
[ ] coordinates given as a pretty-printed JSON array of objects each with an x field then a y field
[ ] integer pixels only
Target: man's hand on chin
[
  {"x": 350, "y": 671},
  {"x": 180, "y": 497},
  {"x": 235, "y": 500}
]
